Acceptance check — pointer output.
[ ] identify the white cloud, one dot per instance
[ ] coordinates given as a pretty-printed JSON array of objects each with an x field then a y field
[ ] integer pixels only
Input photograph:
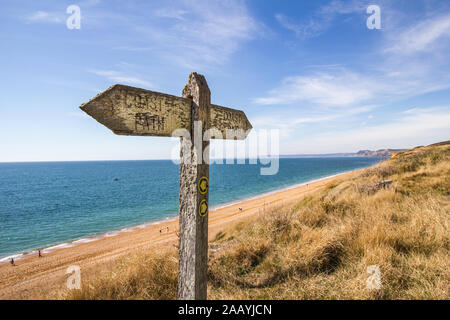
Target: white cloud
[
  {"x": 196, "y": 33},
  {"x": 391, "y": 80},
  {"x": 171, "y": 13},
  {"x": 289, "y": 124},
  {"x": 418, "y": 126},
  {"x": 321, "y": 19},
  {"x": 340, "y": 89},
  {"x": 45, "y": 16},
  {"x": 412, "y": 60},
  {"x": 119, "y": 77},
  {"x": 277, "y": 122},
  {"x": 288, "y": 24},
  {"x": 423, "y": 36}
]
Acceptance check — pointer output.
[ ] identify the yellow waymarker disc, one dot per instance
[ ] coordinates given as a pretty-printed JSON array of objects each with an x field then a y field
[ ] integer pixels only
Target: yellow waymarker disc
[
  {"x": 203, "y": 208},
  {"x": 203, "y": 185}
]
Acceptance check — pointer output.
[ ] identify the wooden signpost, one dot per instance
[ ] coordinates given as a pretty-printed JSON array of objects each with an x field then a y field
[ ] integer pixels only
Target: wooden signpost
[{"x": 138, "y": 112}]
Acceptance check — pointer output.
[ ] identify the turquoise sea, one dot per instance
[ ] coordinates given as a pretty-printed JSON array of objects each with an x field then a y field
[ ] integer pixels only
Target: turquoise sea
[{"x": 46, "y": 204}]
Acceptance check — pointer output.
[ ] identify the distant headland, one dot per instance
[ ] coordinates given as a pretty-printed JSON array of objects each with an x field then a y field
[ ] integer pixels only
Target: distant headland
[{"x": 385, "y": 153}]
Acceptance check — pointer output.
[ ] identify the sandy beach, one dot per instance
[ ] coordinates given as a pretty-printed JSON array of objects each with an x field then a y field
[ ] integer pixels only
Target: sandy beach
[{"x": 45, "y": 277}]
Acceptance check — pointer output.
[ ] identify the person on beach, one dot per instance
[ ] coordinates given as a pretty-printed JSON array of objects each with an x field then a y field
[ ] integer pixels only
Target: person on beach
[
  {"x": 12, "y": 261},
  {"x": 39, "y": 254},
  {"x": 167, "y": 229}
]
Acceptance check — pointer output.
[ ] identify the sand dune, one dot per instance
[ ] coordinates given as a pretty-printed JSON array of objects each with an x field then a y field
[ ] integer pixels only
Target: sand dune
[{"x": 43, "y": 278}]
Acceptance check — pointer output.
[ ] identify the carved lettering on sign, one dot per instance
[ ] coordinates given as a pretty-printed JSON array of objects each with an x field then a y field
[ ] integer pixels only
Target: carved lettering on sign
[{"x": 147, "y": 121}]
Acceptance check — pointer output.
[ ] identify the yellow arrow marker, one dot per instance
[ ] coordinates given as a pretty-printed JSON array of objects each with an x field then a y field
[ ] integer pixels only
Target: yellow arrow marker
[
  {"x": 203, "y": 185},
  {"x": 203, "y": 208}
]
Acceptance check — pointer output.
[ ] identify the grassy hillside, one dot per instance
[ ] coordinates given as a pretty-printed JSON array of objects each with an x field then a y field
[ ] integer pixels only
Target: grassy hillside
[{"x": 320, "y": 247}]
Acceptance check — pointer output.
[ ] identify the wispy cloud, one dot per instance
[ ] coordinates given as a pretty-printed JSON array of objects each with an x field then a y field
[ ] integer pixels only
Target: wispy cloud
[
  {"x": 196, "y": 33},
  {"x": 287, "y": 23},
  {"x": 119, "y": 77},
  {"x": 419, "y": 127},
  {"x": 424, "y": 36},
  {"x": 321, "y": 19},
  {"x": 341, "y": 89},
  {"x": 171, "y": 13},
  {"x": 278, "y": 122},
  {"x": 290, "y": 124},
  {"x": 45, "y": 17},
  {"x": 411, "y": 59}
]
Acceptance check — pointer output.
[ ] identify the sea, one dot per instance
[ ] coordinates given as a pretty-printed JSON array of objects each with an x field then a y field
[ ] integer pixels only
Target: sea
[{"x": 49, "y": 205}]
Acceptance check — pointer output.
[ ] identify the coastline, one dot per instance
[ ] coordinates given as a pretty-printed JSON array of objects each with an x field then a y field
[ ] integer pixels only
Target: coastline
[
  {"x": 112, "y": 233},
  {"x": 86, "y": 239},
  {"x": 39, "y": 278}
]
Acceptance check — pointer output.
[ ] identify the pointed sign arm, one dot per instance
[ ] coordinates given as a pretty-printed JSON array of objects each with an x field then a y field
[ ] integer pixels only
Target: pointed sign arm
[{"x": 138, "y": 112}]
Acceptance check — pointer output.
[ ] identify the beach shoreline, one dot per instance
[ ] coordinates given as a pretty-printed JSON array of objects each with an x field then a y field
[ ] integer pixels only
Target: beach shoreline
[
  {"x": 35, "y": 278},
  {"x": 111, "y": 233}
]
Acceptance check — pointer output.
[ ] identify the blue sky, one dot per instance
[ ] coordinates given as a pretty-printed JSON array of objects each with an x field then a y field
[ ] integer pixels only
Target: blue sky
[{"x": 311, "y": 69}]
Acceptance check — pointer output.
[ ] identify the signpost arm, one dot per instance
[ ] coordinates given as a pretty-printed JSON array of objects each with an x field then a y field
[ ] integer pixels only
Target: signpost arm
[{"x": 194, "y": 167}]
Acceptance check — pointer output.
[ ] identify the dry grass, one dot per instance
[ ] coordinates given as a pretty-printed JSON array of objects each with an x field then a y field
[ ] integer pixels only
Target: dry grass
[
  {"x": 141, "y": 276},
  {"x": 320, "y": 248}
]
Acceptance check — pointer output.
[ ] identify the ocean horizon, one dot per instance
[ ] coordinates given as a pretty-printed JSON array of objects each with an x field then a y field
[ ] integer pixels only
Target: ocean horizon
[{"x": 54, "y": 204}]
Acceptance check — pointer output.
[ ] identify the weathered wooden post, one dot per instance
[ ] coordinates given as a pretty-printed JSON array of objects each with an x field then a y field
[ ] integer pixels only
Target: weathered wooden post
[
  {"x": 138, "y": 112},
  {"x": 194, "y": 175}
]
